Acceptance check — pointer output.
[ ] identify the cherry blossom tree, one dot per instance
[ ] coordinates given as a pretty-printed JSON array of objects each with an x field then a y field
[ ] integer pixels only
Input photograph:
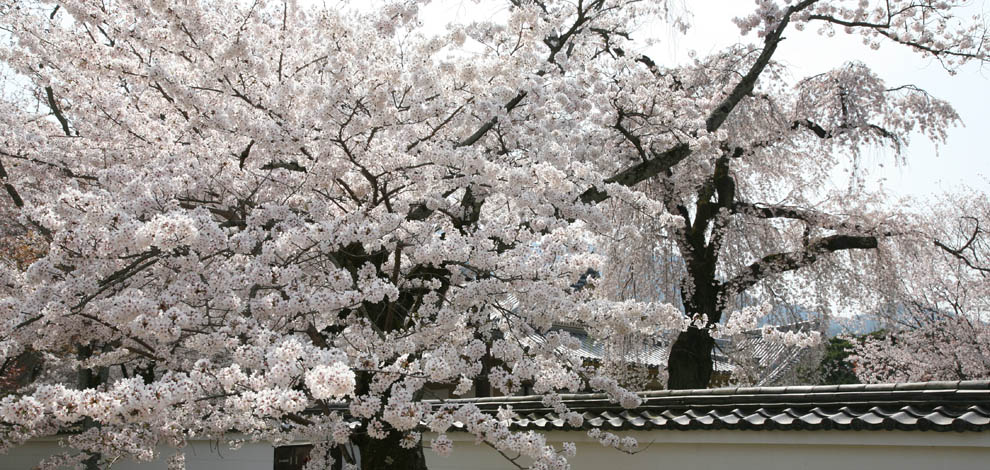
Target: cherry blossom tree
[
  {"x": 281, "y": 221},
  {"x": 757, "y": 219},
  {"x": 938, "y": 304}
]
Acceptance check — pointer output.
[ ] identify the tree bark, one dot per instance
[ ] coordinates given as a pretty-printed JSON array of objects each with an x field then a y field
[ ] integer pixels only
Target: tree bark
[
  {"x": 387, "y": 454},
  {"x": 88, "y": 379},
  {"x": 690, "y": 361}
]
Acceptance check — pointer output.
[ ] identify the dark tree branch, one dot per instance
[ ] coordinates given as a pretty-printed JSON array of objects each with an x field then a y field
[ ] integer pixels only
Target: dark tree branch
[
  {"x": 823, "y": 133},
  {"x": 439, "y": 126},
  {"x": 883, "y": 29},
  {"x": 291, "y": 166},
  {"x": 718, "y": 192},
  {"x": 782, "y": 262},
  {"x": 669, "y": 158},
  {"x": 725, "y": 189},
  {"x": 53, "y": 104},
  {"x": 478, "y": 134},
  {"x": 745, "y": 86},
  {"x": 244, "y": 155},
  {"x": 813, "y": 127},
  {"x": 810, "y": 217},
  {"x": 142, "y": 262},
  {"x": 632, "y": 138},
  {"x": 958, "y": 253},
  {"x": 10, "y": 188},
  {"x": 640, "y": 172}
]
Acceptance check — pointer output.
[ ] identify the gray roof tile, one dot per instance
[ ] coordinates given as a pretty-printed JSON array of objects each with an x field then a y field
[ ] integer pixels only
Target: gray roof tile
[{"x": 939, "y": 406}]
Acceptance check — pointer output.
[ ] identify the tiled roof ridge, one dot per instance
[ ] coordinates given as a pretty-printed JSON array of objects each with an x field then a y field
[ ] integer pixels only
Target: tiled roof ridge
[
  {"x": 969, "y": 390},
  {"x": 926, "y": 406}
]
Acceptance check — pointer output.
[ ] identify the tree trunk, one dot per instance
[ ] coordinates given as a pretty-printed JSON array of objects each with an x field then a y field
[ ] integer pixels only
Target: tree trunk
[
  {"x": 88, "y": 379},
  {"x": 386, "y": 454},
  {"x": 690, "y": 361}
]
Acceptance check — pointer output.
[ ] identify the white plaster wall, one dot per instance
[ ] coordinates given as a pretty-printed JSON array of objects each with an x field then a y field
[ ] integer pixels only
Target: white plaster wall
[
  {"x": 200, "y": 455},
  {"x": 757, "y": 450},
  {"x": 691, "y": 450}
]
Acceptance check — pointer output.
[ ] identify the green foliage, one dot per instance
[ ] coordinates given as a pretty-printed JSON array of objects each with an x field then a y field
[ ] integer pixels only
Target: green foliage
[{"x": 834, "y": 369}]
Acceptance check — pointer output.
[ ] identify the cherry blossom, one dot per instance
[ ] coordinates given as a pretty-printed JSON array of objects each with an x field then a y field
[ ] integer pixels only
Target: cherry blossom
[
  {"x": 281, "y": 221},
  {"x": 935, "y": 321}
]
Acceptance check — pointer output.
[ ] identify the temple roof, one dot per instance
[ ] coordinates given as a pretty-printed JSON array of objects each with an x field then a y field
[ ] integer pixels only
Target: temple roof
[{"x": 927, "y": 406}]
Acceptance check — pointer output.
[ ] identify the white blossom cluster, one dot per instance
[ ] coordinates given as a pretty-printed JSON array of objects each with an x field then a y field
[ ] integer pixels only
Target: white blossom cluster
[
  {"x": 290, "y": 221},
  {"x": 626, "y": 444},
  {"x": 335, "y": 381}
]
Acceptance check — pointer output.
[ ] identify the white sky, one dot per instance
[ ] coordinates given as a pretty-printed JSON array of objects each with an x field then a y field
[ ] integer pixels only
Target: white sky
[{"x": 963, "y": 161}]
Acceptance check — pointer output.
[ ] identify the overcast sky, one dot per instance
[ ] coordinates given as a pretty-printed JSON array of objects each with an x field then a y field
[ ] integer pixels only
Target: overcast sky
[{"x": 963, "y": 161}]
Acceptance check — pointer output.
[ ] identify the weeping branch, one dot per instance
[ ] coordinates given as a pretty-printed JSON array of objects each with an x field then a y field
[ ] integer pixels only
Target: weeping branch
[
  {"x": 959, "y": 253},
  {"x": 884, "y": 29},
  {"x": 667, "y": 159}
]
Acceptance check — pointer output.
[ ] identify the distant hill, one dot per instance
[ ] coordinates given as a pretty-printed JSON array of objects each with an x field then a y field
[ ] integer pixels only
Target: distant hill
[{"x": 855, "y": 325}]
